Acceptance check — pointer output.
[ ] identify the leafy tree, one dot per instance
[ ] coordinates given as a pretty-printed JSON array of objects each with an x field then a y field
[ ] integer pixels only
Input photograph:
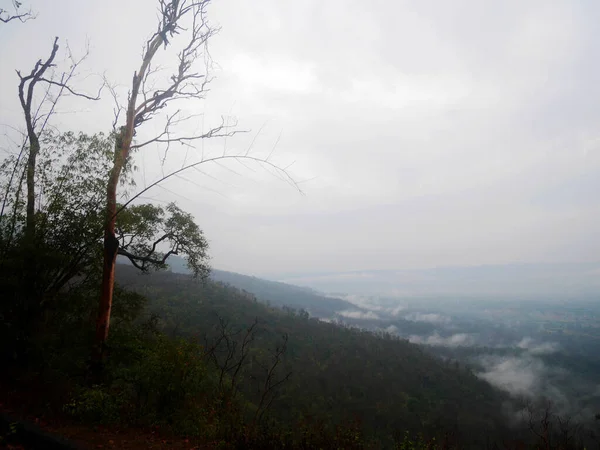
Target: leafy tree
[
  {"x": 141, "y": 229},
  {"x": 66, "y": 223},
  {"x": 39, "y": 91},
  {"x": 71, "y": 172}
]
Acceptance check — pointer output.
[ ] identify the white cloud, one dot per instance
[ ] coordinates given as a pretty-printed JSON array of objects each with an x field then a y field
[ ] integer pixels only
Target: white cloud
[
  {"x": 392, "y": 329},
  {"x": 397, "y": 310},
  {"x": 456, "y": 340},
  {"x": 529, "y": 377},
  {"x": 543, "y": 348},
  {"x": 519, "y": 376},
  {"x": 428, "y": 318},
  {"x": 359, "y": 314}
]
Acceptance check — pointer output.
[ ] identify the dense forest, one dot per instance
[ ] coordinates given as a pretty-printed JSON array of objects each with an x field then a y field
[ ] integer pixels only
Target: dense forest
[
  {"x": 91, "y": 348},
  {"x": 336, "y": 373}
]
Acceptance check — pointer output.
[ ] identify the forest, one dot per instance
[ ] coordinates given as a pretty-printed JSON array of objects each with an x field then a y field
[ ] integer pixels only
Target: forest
[{"x": 115, "y": 355}]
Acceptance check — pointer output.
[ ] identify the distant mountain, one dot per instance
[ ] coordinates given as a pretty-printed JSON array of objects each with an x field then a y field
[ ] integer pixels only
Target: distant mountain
[
  {"x": 275, "y": 293},
  {"x": 518, "y": 280}
]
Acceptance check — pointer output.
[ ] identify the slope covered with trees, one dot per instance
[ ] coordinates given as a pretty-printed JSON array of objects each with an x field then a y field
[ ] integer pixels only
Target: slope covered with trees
[
  {"x": 337, "y": 373},
  {"x": 273, "y": 292}
]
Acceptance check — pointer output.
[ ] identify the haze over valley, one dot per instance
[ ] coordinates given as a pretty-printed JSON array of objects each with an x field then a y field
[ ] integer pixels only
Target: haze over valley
[{"x": 535, "y": 343}]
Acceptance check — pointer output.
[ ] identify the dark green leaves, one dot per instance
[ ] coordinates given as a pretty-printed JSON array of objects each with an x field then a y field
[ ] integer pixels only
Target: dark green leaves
[{"x": 149, "y": 234}]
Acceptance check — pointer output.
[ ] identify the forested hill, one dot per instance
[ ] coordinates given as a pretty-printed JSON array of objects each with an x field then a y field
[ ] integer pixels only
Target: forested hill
[
  {"x": 337, "y": 373},
  {"x": 282, "y": 294},
  {"x": 275, "y": 293}
]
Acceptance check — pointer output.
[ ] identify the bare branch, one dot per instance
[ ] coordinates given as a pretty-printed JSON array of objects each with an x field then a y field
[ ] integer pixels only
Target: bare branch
[
  {"x": 201, "y": 186},
  {"x": 22, "y": 17},
  {"x": 27, "y": 86},
  {"x": 229, "y": 353},
  {"x": 274, "y": 145},
  {"x": 278, "y": 169},
  {"x": 165, "y": 136},
  {"x": 254, "y": 139},
  {"x": 271, "y": 383},
  {"x": 26, "y": 98},
  {"x": 68, "y": 88},
  {"x": 118, "y": 109}
]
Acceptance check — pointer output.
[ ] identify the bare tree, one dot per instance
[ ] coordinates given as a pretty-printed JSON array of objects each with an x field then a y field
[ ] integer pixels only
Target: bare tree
[
  {"x": 229, "y": 354},
  {"x": 146, "y": 102},
  {"x": 271, "y": 381},
  {"x": 39, "y": 93},
  {"x": 36, "y": 118},
  {"x": 568, "y": 432},
  {"x": 17, "y": 14},
  {"x": 540, "y": 423}
]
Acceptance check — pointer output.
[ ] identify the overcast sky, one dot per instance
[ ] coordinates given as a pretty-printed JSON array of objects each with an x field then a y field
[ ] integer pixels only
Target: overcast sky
[{"x": 424, "y": 133}]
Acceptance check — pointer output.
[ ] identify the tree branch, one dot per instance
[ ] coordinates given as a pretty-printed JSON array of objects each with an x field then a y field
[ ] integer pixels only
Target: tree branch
[
  {"x": 78, "y": 94},
  {"x": 145, "y": 260},
  {"x": 288, "y": 178},
  {"x": 6, "y": 17}
]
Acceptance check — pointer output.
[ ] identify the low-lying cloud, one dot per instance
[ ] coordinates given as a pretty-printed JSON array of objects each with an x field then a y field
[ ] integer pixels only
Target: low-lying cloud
[
  {"x": 393, "y": 329},
  {"x": 456, "y": 340},
  {"x": 428, "y": 318},
  {"x": 397, "y": 310},
  {"x": 543, "y": 348},
  {"x": 371, "y": 303},
  {"x": 350, "y": 314},
  {"x": 528, "y": 377},
  {"x": 518, "y": 376}
]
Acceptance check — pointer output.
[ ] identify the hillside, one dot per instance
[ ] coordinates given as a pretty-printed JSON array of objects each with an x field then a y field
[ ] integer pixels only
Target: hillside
[
  {"x": 337, "y": 373},
  {"x": 275, "y": 293}
]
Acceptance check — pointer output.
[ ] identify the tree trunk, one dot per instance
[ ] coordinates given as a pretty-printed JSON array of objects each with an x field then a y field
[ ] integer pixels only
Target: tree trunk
[
  {"x": 111, "y": 246},
  {"x": 122, "y": 148},
  {"x": 30, "y": 306},
  {"x": 34, "y": 149}
]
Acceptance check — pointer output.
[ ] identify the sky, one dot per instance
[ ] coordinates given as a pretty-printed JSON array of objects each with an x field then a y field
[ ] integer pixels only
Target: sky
[{"x": 422, "y": 133}]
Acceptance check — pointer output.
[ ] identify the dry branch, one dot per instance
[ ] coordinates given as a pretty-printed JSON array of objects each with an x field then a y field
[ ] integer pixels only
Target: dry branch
[
  {"x": 6, "y": 16},
  {"x": 27, "y": 91}
]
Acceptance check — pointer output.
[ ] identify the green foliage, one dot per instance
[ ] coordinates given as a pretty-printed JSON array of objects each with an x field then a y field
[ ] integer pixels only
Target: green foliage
[
  {"x": 407, "y": 442},
  {"x": 141, "y": 228},
  {"x": 70, "y": 173},
  {"x": 170, "y": 375},
  {"x": 159, "y": 375},
  {"x": 39, "y": 277},
  {"x": 165, "y": 383},
  {"x": 337, "y": 373},
  {"x": 96, "y": 404}
]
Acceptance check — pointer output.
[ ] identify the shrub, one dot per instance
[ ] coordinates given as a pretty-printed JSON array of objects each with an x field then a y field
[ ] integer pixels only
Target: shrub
[{"x": 96, "y": 404}]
